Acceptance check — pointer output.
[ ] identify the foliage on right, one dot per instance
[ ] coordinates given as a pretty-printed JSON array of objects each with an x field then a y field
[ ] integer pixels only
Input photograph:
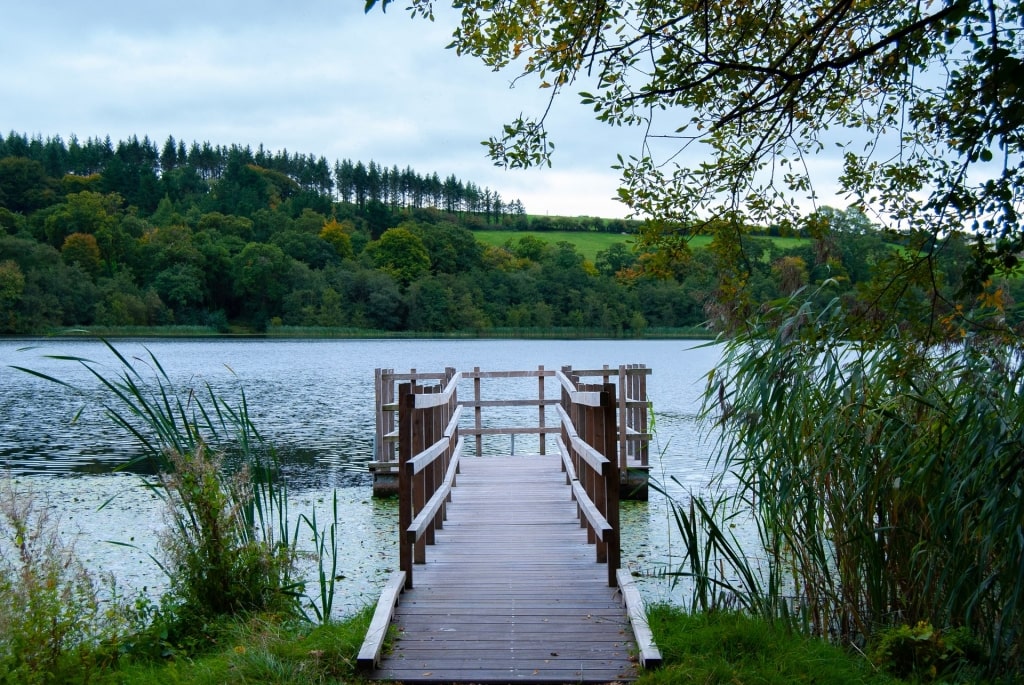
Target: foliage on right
[
  {"x": 746, "y": 110},
  {"x": 884, "y": 478}
]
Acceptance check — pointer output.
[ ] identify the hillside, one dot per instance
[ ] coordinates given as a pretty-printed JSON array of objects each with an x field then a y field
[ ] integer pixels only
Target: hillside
[{"x": 131, "y": 236}]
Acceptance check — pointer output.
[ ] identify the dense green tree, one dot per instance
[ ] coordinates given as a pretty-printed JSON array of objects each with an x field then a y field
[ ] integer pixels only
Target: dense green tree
[
  {"x": 529, "y": 247},
  {"x": 83, "y": 250},
  {"x": 400, "y": 253},
  {"x": 307, "y": 248},
  {"x": 95, "y": 214},
  {"x": 381, "y": 304},
  {"x": 339, "y": 236},
  {"x": 12, "y": 285},
  {"x": 430, "y": 305},
  {"x": 452, "y": 249},
  {"x": 10, "y": 222},
  {"x": 238, "y": 226},
  {"x": 123, "y": 303},
  {"x": 262, "y": 277},
  {"x": 25, "y": 185},
  {"x": 617, "y": 259}
]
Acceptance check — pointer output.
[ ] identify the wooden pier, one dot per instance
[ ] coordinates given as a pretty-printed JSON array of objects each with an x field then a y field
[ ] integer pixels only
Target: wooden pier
[
  {"x": 532, "y": 412},
  {"x": 522, "y": 581}
]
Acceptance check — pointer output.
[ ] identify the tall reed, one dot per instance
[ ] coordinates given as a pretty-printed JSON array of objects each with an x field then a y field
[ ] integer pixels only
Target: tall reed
[
  {"x": 885, "y": 479},
  {"x": 227, "y": 549}
]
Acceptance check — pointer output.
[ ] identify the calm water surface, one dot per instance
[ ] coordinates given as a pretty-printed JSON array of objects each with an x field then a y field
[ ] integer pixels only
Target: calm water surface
[{"x": 314, "y": 401}]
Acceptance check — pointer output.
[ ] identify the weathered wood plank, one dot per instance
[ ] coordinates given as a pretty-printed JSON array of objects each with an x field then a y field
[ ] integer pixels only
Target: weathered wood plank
[
  {"x": 369, "y": 653},
  {"x": 650, "y": 655}
]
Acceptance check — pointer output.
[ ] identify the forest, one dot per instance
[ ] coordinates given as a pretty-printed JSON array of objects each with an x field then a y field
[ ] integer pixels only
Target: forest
[{"x": 104, "y": 235}]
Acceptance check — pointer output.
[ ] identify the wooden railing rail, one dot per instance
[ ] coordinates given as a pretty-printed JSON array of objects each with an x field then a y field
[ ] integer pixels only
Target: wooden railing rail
[
  {"x": 588, "y": 431},
  {"x": 632, "y": 404},
  {"x": 429, "y": 449},
  {"x": 478, "y": 404},
  {"x": 632, "y": 433}
]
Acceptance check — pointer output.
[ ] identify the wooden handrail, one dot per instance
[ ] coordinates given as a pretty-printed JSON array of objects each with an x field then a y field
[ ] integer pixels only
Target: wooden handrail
[
  {"x": 428, "y": 455},
  {"x": 429, "y": 450},
  {"x": 588, "y": 446},
  {"x": 595, "y": 459},
  {"x": 420, "y": 524},
  {"x": 631, "y": 397},
  {"x": 437, "y": 399},
  {"x": 588, "y": 398}
]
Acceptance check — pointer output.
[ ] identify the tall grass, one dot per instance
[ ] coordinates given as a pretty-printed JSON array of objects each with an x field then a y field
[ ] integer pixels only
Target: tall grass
[
  {"x": 227, "y": 547},
  {"x": 885, "y": 480},
  {"x": 58, "y": 621}
]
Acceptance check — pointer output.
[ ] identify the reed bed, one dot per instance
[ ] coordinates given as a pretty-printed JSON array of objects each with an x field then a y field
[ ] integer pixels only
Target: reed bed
[{"x": 884, "y": 479}]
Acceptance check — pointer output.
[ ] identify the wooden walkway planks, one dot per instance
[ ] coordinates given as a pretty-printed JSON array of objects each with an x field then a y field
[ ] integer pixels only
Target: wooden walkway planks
[{"x": 511, "y": 591}]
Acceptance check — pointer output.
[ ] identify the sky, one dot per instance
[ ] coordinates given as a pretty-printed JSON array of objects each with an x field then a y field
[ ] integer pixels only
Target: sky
[{"x": 311, "y": 76}]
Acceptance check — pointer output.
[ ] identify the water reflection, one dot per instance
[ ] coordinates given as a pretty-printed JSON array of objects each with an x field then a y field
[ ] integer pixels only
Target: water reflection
[{"x": 314, "y": 401}]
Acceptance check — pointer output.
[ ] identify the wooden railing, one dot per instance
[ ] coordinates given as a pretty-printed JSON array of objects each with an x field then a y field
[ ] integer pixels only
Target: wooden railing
[
  {"x": 429, "y": 448},
  {"x": 587, "y": 415},
  {"x": 631, "y": 407},
  {"x": 430, "y": 445}
]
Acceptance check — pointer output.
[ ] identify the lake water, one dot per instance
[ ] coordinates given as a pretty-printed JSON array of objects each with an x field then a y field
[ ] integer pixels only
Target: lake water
[{"x": 313, "y": 399}]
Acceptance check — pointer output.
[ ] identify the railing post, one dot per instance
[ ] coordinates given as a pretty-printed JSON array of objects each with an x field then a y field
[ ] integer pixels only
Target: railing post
[
  {"x": 406, "y": 407},
  {"x": 429, "y": 475},
  {"x": 567, "y": 407},
  {"x": 542, "y": 438},
  {"x": 641, "y": 394},
  {"x": 384, "y": 394},
  {"x": 624, "y": 411},
  {"x": 596, "y": 486},
  {"x": 611, "y": 483},
  {"x": 478, "y": 422}
]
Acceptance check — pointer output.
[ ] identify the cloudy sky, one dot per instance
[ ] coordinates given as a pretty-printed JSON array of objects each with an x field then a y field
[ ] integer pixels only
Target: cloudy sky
[{"x": 312, "y": 76}]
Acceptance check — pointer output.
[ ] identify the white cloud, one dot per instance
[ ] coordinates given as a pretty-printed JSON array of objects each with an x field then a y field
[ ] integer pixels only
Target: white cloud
[{"x": 314, "y": 76}]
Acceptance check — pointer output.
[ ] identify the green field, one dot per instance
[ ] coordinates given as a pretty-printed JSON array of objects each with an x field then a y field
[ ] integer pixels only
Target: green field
[{"x": 589, "y": 244}]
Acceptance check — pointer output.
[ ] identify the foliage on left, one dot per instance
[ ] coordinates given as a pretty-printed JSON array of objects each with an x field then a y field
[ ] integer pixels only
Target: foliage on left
[
  {"x": 226, "y": 548},
  {"x": 58, "y": 621}
]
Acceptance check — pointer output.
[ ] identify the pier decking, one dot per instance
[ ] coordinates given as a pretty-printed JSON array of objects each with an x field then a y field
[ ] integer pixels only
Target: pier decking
[
  {"x": 515, "y": 595},
  {"x": 522, "y": 581}
]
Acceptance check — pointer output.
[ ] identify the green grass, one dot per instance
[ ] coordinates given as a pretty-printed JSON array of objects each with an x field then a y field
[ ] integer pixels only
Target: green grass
[
  {"x": 725, "y": 647},
  {"x": 258, "y": 649},
  {"x": 590, "y": 243},
  {"x": 705, "y": 648}
]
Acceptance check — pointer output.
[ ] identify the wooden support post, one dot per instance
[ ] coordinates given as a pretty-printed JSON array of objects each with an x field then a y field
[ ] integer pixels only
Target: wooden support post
[
  {"x": 597, "y": 432},
  {"x": 641, "y": 394},
  {"x": 419, "y": 496},
  {"x": 611, "y": 484},
  {"x": 429, "y": 478},
  {"x": 625, "y": 384},
  {"x": 477, "y": 420},
  {"x": 540, "y": 409},
  {"x": 406, "y": 407}
]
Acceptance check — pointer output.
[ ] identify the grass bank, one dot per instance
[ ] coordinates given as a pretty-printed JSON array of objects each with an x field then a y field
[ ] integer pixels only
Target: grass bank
[{"x": 704, "y": 648}]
